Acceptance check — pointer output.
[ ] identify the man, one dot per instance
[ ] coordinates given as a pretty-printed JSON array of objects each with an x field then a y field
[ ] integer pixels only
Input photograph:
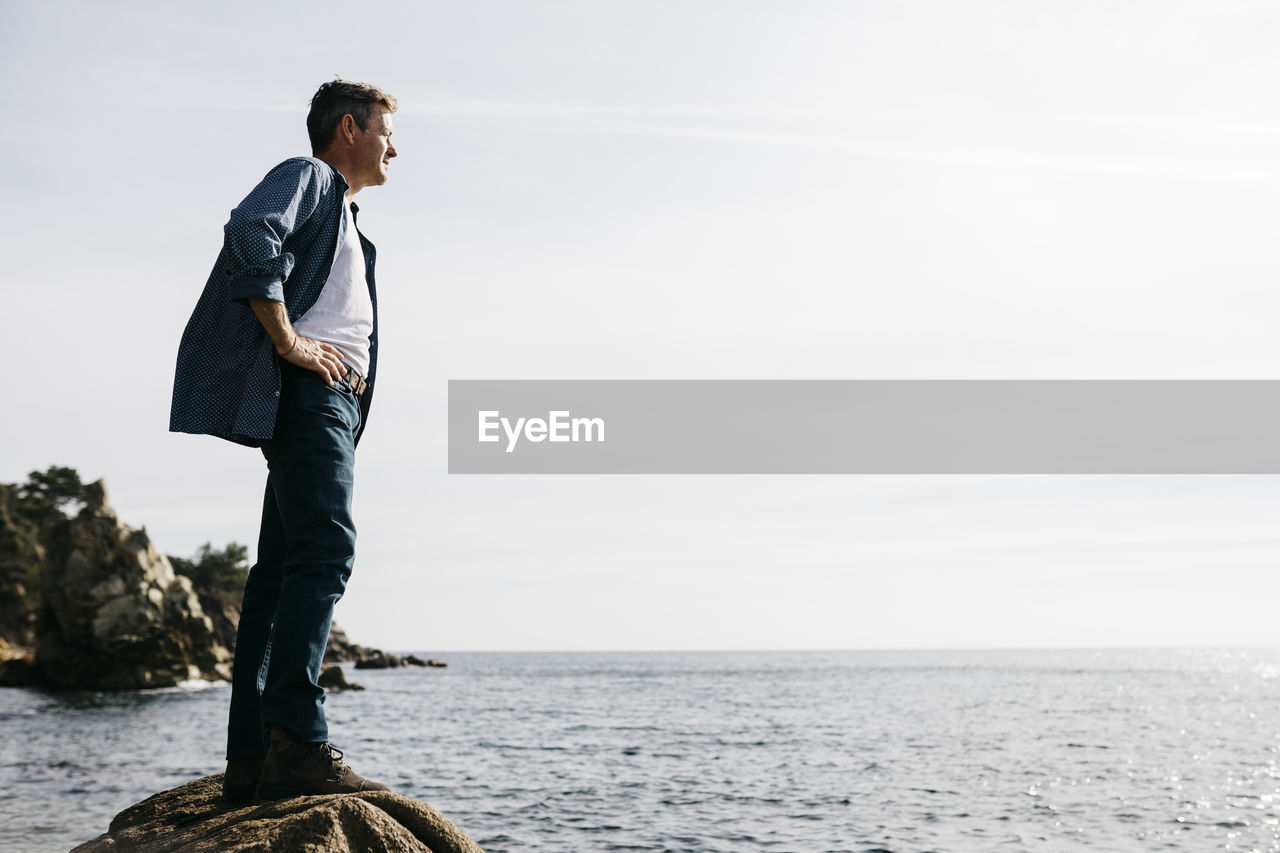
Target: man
[{"x": 281, "y": 353}]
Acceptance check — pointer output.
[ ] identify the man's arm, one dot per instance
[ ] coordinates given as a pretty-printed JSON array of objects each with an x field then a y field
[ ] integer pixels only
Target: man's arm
[
  {"x": 314, "y": 355},
  {"x": 254, "y": 236}
]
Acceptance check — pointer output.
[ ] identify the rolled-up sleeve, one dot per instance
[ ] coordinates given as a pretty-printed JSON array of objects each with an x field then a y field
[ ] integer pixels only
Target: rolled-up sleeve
[{"x": 254, "y": 235}]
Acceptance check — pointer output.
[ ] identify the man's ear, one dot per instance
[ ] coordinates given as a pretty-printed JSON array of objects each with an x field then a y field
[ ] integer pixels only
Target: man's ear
[{"x": 349, "y": 127}]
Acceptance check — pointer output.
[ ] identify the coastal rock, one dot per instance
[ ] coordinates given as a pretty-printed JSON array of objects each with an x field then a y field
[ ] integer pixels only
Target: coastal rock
[
  {"x": 223, "y": 613},
  {"x": 17, "y": 667},
  {"x": 115, "y": 615},
  {"x": 333, "y": 680},
  {"x": 88, "y": 603},
  {"x": 382, "y": 660},
  {"x": 21, "y": 556},
  {"x": 192, "y": 818},
  {"x": 379, "y": 660}
]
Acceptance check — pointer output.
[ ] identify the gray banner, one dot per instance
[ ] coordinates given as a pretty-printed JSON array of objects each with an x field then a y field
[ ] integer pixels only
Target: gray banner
[{"x": 864, "y": 427}]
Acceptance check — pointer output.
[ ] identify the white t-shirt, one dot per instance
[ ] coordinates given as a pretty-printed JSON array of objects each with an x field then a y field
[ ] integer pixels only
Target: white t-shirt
[{"x": 343, "y": 313}]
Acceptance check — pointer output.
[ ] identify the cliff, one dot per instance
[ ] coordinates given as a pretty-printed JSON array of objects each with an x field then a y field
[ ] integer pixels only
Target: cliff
[
  {"x": 88, "y": 602},
  {"x": 115, "y": 615}
]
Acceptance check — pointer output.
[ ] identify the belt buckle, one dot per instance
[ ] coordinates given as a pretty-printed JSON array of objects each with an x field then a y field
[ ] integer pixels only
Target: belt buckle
[{"x": 355, "y": 381}]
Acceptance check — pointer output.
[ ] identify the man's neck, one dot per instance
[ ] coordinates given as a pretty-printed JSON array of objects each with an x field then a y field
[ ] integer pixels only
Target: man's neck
[{"x": 344, "y": 169}]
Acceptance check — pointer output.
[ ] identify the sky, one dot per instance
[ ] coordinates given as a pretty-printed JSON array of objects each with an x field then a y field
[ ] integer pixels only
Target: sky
[{"x": 660, "y": 190}]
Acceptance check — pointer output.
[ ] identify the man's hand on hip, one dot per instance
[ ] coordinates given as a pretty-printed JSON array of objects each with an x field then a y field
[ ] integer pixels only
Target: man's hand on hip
[{"x": 314, "y": 355}]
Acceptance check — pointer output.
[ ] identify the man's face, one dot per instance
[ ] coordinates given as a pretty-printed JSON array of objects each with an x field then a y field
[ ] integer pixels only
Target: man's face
[{"x": 374, "y": 149}]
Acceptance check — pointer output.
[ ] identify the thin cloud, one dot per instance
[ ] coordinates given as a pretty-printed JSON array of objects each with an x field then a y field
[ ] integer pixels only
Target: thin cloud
[
  {"x": 672, "y": 121},
  {"x": 860, "y": 147}
]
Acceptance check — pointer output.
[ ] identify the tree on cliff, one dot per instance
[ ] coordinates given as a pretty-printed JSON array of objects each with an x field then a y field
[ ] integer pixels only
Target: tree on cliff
[
  {"x": 48, "y": 492},
  {"x": 222, "y": 570}
]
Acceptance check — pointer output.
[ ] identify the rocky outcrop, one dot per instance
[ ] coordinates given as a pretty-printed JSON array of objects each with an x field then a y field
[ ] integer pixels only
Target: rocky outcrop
[
  {"x": 88, "y": 602},
  {"x": 192, "y": 819},
  {"x": 17, "y": 666},
  {"x": 382, "y": 660},
  {"x": 222, "y": 612},
  {"x": 21, "y": 557},
  {"x": 333, "y": 680},
  {"x": 115, "y": 615}
]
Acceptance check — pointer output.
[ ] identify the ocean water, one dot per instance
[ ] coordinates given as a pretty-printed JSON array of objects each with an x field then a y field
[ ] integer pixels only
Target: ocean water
[{"x": 1122, "y": 750}]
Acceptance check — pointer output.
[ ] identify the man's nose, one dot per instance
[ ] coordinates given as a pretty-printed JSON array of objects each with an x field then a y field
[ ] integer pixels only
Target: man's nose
[{"x": 391, "y": 150}]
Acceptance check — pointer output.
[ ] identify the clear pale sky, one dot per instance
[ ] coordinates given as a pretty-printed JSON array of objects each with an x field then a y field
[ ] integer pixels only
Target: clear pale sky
[{"x": 673, "y": 190}]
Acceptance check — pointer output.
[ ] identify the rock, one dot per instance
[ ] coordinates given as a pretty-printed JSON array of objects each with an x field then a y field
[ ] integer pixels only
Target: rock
[
  {"x": 379, "y": 660},
  {"x": 414, "y": 660},
  {"x": 333, "y": 680},
  {"x": 115, "y": 615},
  {"x": 87, "y": 602},
  {"x": 21, "y": 558},
  {"x": 192, "y": 819},
  {"x": 222, "y": 612},
  {"x": 19, "y": 670},
  {"x": 382, "y": 660}
]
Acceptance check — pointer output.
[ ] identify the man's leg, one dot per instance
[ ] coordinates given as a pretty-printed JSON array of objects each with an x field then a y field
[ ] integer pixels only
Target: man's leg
[
  {"x": 311, "y": 457},
  {"x": 246, "y": 733}
]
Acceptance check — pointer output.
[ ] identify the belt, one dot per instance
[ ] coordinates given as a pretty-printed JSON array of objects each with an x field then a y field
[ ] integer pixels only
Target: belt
[{"x": 355, "y": 381}]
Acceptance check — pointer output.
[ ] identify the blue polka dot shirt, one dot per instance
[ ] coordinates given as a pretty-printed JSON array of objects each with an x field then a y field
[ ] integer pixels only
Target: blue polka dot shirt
[{"x": 278, "y": 244}]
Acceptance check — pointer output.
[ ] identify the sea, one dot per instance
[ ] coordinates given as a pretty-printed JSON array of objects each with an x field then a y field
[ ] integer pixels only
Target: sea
[{"x": 818, "y": 751}]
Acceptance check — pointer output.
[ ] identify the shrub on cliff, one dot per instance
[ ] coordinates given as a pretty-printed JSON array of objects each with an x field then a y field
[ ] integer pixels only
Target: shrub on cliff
[
  {"x": 222, "y": 570},
  {"x": 49, "y": 491}
]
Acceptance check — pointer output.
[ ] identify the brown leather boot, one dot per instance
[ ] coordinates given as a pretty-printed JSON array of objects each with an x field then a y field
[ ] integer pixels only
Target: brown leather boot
[
  {"x": 241, "y": 779},
  {"x": 295, "y": 769}
]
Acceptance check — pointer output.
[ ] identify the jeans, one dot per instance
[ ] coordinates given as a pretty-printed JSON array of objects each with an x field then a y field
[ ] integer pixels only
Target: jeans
[{"x": 306, "y": 548}]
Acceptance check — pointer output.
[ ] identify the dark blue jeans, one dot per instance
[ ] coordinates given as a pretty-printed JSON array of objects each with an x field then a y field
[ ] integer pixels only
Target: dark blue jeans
[{"x": 306, "y": 548}]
